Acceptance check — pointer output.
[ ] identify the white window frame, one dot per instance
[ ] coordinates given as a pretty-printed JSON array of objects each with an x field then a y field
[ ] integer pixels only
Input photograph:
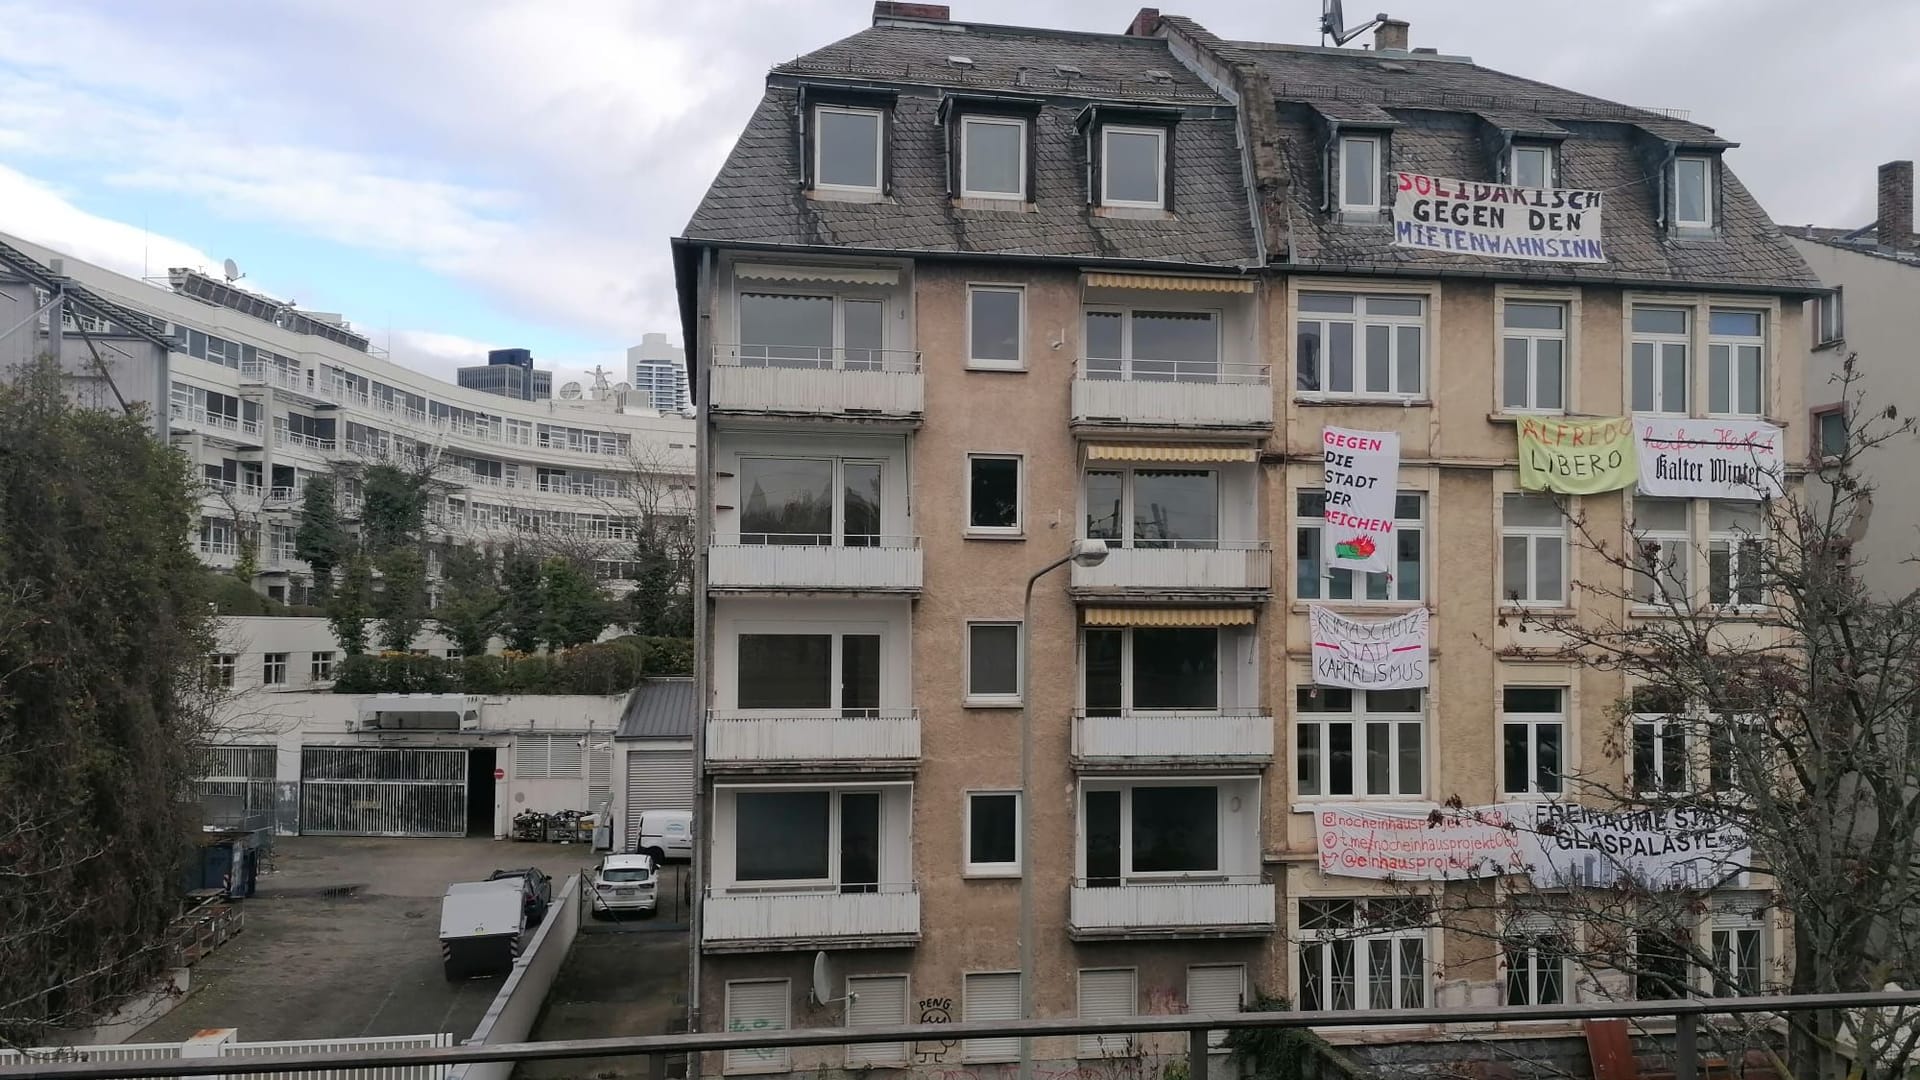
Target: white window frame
[
  {"x": 1828, "y": 319},
  {"x": 1019, "y": 362},
  {"x": 1562, "y": 721},
  {"x": 766, "y": 1059},
  {"x": 1127, "y": 471},
  {"x": 1101, "y": 1047},
  {"x": 221, "y": 669},
  {"x": 1656, "y": 726},
  {"x": 1303, "y": 524},
  {"x": 1660, "y": 341},
  {"x": 1706, "y": 191},
  {"x": 838, "y": 354},
  {"x": 1819, "y": 415},
  {"x": 972, "y": 700},
  {"x": 1545, "y": 150},
  {"x": 984, "y": 1051},
  {"x": 1002, "y": 532},
  {"x": 1533, "y": 338},
  {"x": 885, "y": 1054},
  {"x": 1224, "y": 653},
  {"x": 1360, "y": 319},
  {"x": 838, "y": 495},
  {"x": 1521, "y": 942},
  {"x": 1645, "y": 582},
  {"x": 1223, "y": 791},
  {"x": 1362, "y": 934},
  {"x": 1159, "y": 136},
  {"x": 835, "y": 825},
  {"x": 1373, "y": 142},
  {"x": 1733, "y": 541},
  {"x": 1731, "y": 918},
  {"x": 1534, "y": 534},
  {"x": 1399, "y": 727},
  {"x": 1734, "y": 344},
  {"x": 320, "y": 665},
  {"x": 1217, "y": 316},
  {"x": 966, "y": 156},
  {"x": 273, "y": 668},
  {"x": 879, "y": 148},
  {"x": 972, "y": 869}
]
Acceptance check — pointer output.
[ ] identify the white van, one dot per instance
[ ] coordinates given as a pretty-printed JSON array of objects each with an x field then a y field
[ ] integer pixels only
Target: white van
[{"x": 666, "y": 834}]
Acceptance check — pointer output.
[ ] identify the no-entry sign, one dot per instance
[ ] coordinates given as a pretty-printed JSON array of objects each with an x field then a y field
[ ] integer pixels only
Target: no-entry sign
[{"x": 499, "y": 774}]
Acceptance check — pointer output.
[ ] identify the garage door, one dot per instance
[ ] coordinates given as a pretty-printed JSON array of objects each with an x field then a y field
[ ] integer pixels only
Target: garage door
[
  {"x": 656, "y": 780},
  {"x": 378, "y": 791}
]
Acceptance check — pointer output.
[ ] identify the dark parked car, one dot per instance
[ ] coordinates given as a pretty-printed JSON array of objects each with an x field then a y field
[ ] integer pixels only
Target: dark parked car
[{"x": 536, "y": 892}]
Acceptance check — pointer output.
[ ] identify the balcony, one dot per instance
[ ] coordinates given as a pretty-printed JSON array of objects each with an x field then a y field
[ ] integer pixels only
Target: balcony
[
  {"x": 1216, "y": 907},
  {"x": 760, "y": 561},
  {"x": 794, "y": 919},
  {"x": 1223, "y": 737},
  {"x": 1186, "y": 394},
  {"x": 805, "y": 380},
  {"x": 737, "y": 740},
  {"x": 1183, "y": 570}
]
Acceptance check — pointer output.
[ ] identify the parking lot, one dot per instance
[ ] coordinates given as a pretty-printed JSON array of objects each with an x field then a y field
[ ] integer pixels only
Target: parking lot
[{"x": 343, "y": 940}]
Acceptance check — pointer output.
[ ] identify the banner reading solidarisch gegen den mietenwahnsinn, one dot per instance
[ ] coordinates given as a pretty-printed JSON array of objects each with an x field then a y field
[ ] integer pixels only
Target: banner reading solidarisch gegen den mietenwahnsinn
[
  {"x": 1499, "y": 221},
  {"x": 1577, "y": 457},
  {"x": 1362, "y": 475}
]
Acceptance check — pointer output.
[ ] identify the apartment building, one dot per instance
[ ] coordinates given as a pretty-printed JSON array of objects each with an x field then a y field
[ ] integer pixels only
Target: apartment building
[
  {"x": 966, "y": 297},
  {"x": 657, "y": 369},
  {"x": 1873, "y": 270}
]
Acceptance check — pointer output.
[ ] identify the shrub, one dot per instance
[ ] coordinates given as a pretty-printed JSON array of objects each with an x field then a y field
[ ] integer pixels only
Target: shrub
[
  {"x": 667, "y": 655},
  {"x": 612, "y": 667}
]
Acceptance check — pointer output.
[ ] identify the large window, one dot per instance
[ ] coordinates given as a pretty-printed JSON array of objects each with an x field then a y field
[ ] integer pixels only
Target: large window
[
  {"x": 1660, "y": 369},
  {"x": 1358, "y": 742},
  {"x": 1360, "y": 186},
  {"x": 1151, "y": 668},
  {"x": 1360, "y": 346},
  {"x": 809, "y": 501},
  {"x": 1363, "y": 954},
  {"x": 1737, "y": 936},
  {"x": 321, "y": 667},
  {"x": 1152, "y": 346},
  {"x": 810, "y": 672},
  {"x": 1736, "y": 552},
  {"x": 1535, "y": 947},
  {"x": 1693, "y": 192},
  {"x": 993, "y": 157},
  {"x": 993, "y": 663},
  {"x": 1314, "y": 580},
  {"x": 1531, "y": 165},
  {"x": 1133, "y": 167},
  {"x": 1736, "y": 363},
  {"x": 1533, "y": 740},
  {"x": 1533, "y": 551},
  {"x": 1154, "y": 507},
  {"x": 792, "y": 330},
  {"x": 1663, "y": 552},
  {"x": 1533, "y": 357},
  {"x": 993, "y": 494},
  {"x": 995, "y": 326},
  {"x": 1147, "y": 831},
  {"x": 993, "y": 834},
  {"x": 847, "y": 149},
  {"x": 1659, "y": 749},
  {"x": 273, "y": 668},
  {"x": 809, "y": 837}
]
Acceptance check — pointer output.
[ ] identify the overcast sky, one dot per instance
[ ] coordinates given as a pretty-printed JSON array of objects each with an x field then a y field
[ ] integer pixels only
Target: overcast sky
[{"x": 455, "y": 175}]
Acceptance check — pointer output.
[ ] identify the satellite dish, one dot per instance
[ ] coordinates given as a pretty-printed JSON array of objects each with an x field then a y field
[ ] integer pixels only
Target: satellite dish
[
  {"x": 232, "y": 269},
  {"x": 570, "y": 392},
  {"x": 822, "y": 991},
  {"x": 1333, "y": 23}
]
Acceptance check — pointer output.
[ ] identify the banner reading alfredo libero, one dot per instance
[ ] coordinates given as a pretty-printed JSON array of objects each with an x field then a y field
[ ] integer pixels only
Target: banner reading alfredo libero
[
  {"x": 1385, "y": 654},
  {"x": 1577, "y": 457},
  {"x": 1362, "y": 473},
  {"x": 1499, "y": 221}
]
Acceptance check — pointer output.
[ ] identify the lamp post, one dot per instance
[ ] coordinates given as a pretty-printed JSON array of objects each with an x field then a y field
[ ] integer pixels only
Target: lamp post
[{"x": 1082, "y": 553}]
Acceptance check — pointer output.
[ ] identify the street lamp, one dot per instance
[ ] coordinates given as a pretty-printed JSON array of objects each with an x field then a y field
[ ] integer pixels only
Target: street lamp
[{"x": 1082, "y": 553}]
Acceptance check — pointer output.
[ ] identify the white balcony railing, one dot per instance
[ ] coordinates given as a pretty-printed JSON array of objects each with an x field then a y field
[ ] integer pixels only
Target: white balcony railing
[
  {"x": 815, "y": 381},
  {"x": 1193, "y": 565},
  {"x": 1146, "y": 737},
  {"x": 310, "y": 442},
  {"x": 1227, "y": 905},
  {"x": 893, "y": 911},
  {"x": 1172, "y": 393},
  {"x": 747, "y": 737},
  {"x": 273, "y": 374},
  {"x": 781, "y": 561}
]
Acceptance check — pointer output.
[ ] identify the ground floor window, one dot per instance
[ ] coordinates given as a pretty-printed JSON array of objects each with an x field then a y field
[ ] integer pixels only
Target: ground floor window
[{"x": 1363, "y": 954}]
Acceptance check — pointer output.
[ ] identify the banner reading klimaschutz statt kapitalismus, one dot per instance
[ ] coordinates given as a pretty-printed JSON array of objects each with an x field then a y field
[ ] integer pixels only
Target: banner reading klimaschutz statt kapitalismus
[{"x": 1498, "y": 221}]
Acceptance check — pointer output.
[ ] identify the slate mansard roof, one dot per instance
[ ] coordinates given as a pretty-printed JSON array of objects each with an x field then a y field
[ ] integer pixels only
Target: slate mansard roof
[{"x": 1444, "y": 116}]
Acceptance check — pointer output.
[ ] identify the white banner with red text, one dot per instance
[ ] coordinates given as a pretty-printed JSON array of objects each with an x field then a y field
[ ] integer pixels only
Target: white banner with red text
[
  {"x": 1362, "y": 478},
  {"x": 1377, "y": 654},
  {"x": 1709, "y": 459}
]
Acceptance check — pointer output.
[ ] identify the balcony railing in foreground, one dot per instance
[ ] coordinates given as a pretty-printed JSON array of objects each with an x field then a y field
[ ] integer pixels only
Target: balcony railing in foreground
[
  {"x": 809, "y": 379},
  {"x": 1199, "y": 393},
  {"x": 1688, "y": 1015}
]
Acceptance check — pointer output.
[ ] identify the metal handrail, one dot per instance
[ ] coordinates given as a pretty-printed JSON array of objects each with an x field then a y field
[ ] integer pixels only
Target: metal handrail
[
  {"x": 749, "y": 891},
  {"x": 1172, "y": 714},
  {"x": 1136, "y": 369},
  {"x": 1159, "y": 882},
  {"x": 817, "y": 358},
  {"x": 823, "y": 540},
  {"x": 1186, "y": 544},
  {"x": 904, "y": 712},
  {"x": 1686, "y": 1012}
]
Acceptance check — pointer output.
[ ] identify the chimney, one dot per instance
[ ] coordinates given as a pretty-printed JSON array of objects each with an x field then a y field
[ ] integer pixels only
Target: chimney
[
  {"x": 1145, "y": 23},
  {"x": 1895, "y": 226},
  {"x": 890, "y": 9},
  {"x": 1390, "y": 35}
]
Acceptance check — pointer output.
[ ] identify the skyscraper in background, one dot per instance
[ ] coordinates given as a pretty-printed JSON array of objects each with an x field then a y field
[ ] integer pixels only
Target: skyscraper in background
[{"x": 659, "y": 370}]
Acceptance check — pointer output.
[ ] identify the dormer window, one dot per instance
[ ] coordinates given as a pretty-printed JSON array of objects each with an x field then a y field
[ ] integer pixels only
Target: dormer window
[
  {"x": 1360, "y": 174},
  {"x": 1133, "y": 166},
  {"x": 993, "y": 157},
  {"x": 847, "y": 148},
  {"x": 1693, "y": 192},
  {"x": 1531, "y": 166}
]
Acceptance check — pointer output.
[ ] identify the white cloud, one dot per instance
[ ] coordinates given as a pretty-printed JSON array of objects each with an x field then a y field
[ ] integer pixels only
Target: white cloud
[{"x": 34, "y": 211}]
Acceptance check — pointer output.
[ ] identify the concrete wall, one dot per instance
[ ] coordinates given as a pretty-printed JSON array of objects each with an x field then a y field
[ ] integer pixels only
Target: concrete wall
[{"x": 515, "y": 1008}]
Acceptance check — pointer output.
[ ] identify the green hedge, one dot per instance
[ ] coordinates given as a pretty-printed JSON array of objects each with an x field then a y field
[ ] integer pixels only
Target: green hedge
[
  {"x": 231, "y": 596},
  {"x": 611, "y": 667},
  {"x": 666, "y": 655}
]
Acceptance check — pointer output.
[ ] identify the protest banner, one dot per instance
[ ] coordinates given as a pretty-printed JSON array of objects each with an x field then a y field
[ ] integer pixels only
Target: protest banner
[
  {"x": 1577, "y": 457},
  {"x": 1709, "y": 459},
  {"x": 1362, "y": 478},
  {"x": 1499, "y": 221},
  {"x": 1386, "y": 654},
  {"x": 1416, "y": 845},
  {"x": 1570, "y": 845}
]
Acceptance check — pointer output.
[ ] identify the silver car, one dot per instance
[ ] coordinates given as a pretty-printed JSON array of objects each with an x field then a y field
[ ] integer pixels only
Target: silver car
[{"x": 624, "y": 883}]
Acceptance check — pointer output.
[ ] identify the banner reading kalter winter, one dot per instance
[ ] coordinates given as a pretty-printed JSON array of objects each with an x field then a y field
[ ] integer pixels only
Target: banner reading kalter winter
[
  {"x": 1709, "y": 459},
  {"x": 1362, "y": 478},
  {"x": 1375, "y": 654}
]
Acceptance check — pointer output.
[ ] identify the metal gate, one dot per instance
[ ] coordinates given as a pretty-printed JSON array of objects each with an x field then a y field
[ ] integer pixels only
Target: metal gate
[
  {"x": 238, "y": 791},
  {"x": 656, "y": 780},
  {"x": 381, "y": 791}
]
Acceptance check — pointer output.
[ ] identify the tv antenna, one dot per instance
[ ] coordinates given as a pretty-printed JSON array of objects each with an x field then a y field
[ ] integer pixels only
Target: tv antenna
[
  {"x": 232, "y": 270},
  {"x": 1333, "y": 24},
  {"x": 822, "y": 991}
]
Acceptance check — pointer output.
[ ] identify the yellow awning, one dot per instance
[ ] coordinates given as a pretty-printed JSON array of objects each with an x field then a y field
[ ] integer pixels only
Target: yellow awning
[
  {"x": 1170, "y": 616},
  {"x": 1099, "y": 452},
  {"x": 843, "y": 274},
  {"x": 1169, "y": 283}
]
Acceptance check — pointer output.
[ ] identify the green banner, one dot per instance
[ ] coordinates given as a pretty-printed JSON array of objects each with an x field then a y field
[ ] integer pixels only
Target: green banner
[{"x": 1577, "y": 457}]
